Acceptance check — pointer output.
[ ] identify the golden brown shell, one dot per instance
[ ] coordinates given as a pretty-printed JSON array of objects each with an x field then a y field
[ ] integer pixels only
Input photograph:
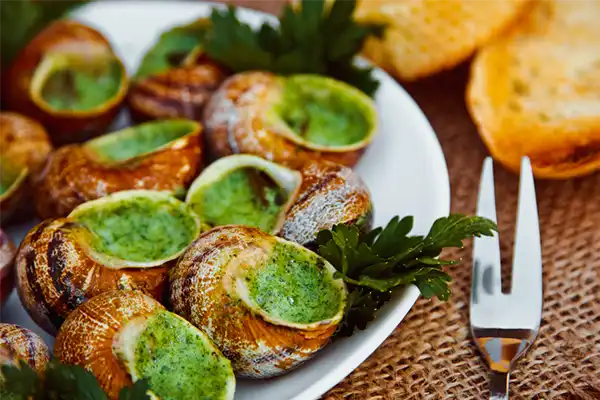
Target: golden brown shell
[
  {"x": 74, "y": 175},
  {"x": 86, "y": 337},
  {"x": 55, "y": 274},
  {"x": 7, "y": 275},
  {"x": 330, "y": 194},
  {"x": 64, "y": 127},
  {"x": 235, "y": 125},
  {"x": 180, "y": 92},
  {"x": 24, "y": 141},
  {"x": 255, "y": 347},
  {"x": 18, "y": 343},
  {"x": 24, "y": 144}
]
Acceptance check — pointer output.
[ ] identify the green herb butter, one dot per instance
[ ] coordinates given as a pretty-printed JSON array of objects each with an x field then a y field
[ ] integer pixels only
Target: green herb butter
[
  {"x": 81, "y": 90},
  {"x": 323, "y": 113},
  {"x": 139, "y": 229},
  {"x": 242, "y": 197},
  {"x": 295, "y": 287},
  {"x": 8, "y": 175},
  {"x": 178, "y": 362},
  {"x": 141, "y": 139}
]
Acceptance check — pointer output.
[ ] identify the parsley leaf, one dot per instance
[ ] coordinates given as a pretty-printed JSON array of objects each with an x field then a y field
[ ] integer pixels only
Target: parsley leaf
[
  {"x": 136, "y": 392},
  {"x": 21, "y": 20},
  {"x": 313, "y": 39},
  {"x": 60, "y": 382},
  {"x": 373, "y": 264},
  {"x": 21, "y": 382}
]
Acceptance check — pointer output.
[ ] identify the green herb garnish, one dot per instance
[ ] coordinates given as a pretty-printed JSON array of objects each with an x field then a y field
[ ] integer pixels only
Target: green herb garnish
[
  {"x": 60, "y": 382},
  {"x": 373, "y": 264},
  {"x": 314, "y": 39}
]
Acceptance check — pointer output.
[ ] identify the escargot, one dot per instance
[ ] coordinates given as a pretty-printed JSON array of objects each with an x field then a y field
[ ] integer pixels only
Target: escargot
[
  {"x": 176, "y": 78},
  {"x": 123, "y": 241},
  {"x": 124, "y": 336},
  {"x": 248, "y": 190},
  {"x": 21, "y": 344},
  {"x": 69, "y": 79},
  {"x": 7, "y": 255},
  {"x": 161, "y": 155},
  {"x": 289, "y": 120},
  {"x": 24, "y": 148},
  {"x": 244, "y": 190},
  {"x": 269, "y": 304}
]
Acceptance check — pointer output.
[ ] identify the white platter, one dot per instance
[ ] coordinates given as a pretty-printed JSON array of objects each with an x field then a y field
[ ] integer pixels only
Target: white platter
[{"x": 404, "y": 168}]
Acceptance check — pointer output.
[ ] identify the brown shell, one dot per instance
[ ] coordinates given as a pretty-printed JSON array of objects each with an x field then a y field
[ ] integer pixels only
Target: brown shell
[
  {"x": 330, "y": 194},
  {"x": 55, "y": 274},
  {"x": 256, "y": 348},
  {"x": 18, "y": 343},
  {"x": 7, "y": 275},
  {"x": 73, "y": 176},
  {"x": 180, "y": 92},
  {"x": 232, "y": 129},
  {"x": 86, "y": 337},
  {"x": 24, "y": 143},
  {"x": 63, "y": 127}
]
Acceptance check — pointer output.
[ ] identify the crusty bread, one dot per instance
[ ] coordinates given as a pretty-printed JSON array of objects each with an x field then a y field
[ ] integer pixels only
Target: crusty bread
[
  {"x": 536, "y": 91},
  {"x": 427, "y": 36}
]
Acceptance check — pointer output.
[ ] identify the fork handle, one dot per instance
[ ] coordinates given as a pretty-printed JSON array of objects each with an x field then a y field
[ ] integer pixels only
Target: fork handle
[{"x": 499, "y": 385}]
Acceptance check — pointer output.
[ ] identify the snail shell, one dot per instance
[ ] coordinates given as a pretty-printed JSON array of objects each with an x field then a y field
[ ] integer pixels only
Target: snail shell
[
  {"x": 24, "y": 141},
  {"x": 24, "y": 145},
  {"x": 103, "y": 336},
  {"x": 7, "y": 256},
  {"x": 78, "y": 173},
  {"x": 268, "y": 185},
  {"x": 330, "y": 194},
  {"x": 179, "y": 92},
  {"x": 86, "y": 337},
  {"x": 26, "y": 76},
  {"x": 58, "y": 267},
  {"x": 13, "y": 179},
  {"x": 176, "y": 78},
  {"x": 240, "y": 119},
  {"x": 21, "y": 344},
  {"x": 207, "y": 287}
]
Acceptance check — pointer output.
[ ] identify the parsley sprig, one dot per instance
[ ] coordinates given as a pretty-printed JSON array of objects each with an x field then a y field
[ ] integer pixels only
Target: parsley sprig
[
  {"x": 373, "y": 264},
  {"x": 60, "y": 382},
  {"x": 311, "y": 39}
]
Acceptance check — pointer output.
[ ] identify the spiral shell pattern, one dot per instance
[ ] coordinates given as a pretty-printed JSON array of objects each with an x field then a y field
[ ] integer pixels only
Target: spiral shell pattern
[{"x": 55, "y": 274}]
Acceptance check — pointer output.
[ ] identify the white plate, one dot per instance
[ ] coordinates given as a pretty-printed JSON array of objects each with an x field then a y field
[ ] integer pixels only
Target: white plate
[{"x": 404, "y": 168}]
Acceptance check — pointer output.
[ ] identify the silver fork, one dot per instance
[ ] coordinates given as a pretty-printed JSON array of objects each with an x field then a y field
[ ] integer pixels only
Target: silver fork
[{"x": 505, "y": 325}]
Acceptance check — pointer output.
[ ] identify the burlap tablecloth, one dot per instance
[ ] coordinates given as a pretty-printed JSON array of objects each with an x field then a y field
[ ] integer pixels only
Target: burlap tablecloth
[{"x": 430, "y": 354}]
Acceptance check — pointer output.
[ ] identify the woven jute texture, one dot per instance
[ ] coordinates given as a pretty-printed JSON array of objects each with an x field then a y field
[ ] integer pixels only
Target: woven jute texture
[{"x": 430, "y": 354}]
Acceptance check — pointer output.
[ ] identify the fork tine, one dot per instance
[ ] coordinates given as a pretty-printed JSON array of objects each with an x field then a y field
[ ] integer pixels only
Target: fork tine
[
  {"x": 527, "y": 260},
  {"x": 486, "y": 250}
]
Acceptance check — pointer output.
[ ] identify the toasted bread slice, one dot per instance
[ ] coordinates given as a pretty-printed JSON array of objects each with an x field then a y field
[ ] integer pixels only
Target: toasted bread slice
[
  {"x": 427, "y": 36},
  {"x": 536, "y": 91}
]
